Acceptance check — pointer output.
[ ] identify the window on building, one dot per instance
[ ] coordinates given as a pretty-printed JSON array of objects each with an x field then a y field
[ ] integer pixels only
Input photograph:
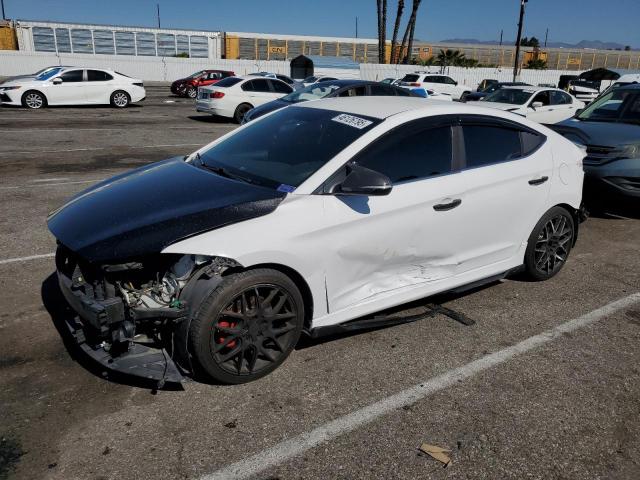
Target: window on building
[
  {"x": 146, "y": 43},
  {"x": 125, "y": 43},
  {"x": 166, "y": 45},
  {"x": 63, "y": 40},
  {"x": 199, "y": 47},
  {"x": 43, "y": 39},
  {"x": 182, "y": 43},
  {"x": 81, "y": 41},
  {"x": 103, "y": 40}
]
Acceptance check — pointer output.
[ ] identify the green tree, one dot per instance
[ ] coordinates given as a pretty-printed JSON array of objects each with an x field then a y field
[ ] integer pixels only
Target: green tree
[
  {"x": 382, "y": 29},
  {"x": 449, "y": 58},
  {"x": 627, "y": 48},
  {"x": 536, "y": 64},
  {"x": 396, "y": 27}
]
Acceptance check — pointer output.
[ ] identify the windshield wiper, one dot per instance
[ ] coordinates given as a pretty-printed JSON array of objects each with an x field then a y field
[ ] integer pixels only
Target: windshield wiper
[{"x": 223, "y": 172}]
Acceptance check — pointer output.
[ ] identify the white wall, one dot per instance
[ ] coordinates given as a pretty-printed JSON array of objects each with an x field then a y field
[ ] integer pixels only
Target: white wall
[
  {"x": 467, "y": 76},
  {"x": 169, "y": 68},
  {"x": 147, "y": 68}
]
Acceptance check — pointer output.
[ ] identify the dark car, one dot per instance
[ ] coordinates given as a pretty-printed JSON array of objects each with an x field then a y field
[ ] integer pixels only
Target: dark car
[
  {"x": 492, "y": 87},
  {"x": 188, "y": 87},
  {"x": 327, "y": 89},
  {"x": 610, "y": 130}
]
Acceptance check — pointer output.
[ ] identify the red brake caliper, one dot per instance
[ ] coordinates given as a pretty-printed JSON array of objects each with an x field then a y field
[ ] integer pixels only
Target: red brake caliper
[{"x": 220, "y": 339}]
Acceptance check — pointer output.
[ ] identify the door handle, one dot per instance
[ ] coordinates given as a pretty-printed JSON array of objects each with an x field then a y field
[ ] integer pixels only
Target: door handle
[
  {"x": 538, "y": 181},
  {"x": 443, "y": 207}
]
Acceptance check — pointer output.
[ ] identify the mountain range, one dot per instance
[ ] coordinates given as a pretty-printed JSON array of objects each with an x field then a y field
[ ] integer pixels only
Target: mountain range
[{"x": 588, "y": 44}]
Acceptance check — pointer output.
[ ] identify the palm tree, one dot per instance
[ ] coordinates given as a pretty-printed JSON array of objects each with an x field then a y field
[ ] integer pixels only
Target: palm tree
[
  {"x": 396, "y": 28},
  {"x": 409, "y": 32},
  {"x": 382, "y": 29},
  {"x": 447, "y": 58}
]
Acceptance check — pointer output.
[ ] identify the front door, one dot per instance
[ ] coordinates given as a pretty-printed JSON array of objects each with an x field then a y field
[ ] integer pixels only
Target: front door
[
  {"x": 387, "y": 244},
  {"x": 70, "y": 92}
]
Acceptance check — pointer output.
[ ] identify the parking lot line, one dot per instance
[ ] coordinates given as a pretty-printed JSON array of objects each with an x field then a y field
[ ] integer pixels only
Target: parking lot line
[
  {"x": 90, "y": 149},
  {"x": 45, "y": 185},
  {"x": 299, "y": 444},
  {"x": 26, "y": 259}
]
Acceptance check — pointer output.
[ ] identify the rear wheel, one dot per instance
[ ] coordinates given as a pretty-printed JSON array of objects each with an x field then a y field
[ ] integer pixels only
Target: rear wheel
[
  {"x": 247, "y": 326},
  {"x": 34, "y": 100},
  {"x": 120, "y": 99},
  {"x": 241, "y": 111},
  {"x": 192, "y": 92},
  {"x": 549, "y": 244},
  {"x": 463, "y": 97}
]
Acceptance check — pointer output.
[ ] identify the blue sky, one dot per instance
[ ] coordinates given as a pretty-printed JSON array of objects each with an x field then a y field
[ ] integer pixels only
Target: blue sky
[{"x": 567, "y": 20}]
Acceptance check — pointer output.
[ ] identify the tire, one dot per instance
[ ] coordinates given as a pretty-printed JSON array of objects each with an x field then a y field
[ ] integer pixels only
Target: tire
[
  {"x": 463, "y": 97},
  {"x": 549, "y": 244},
  {"x": 120, "y": 99},
  {"x": 192, "y": 92},
  {"x": 232, "y": 340},
  {"x": 34, "y": 100},
  {"x": 241, "y": 111}
]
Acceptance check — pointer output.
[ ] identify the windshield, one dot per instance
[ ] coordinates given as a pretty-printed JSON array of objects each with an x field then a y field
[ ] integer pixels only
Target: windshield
[
  {"x": 513, "y": 96},
  {"x": 619, "y": 105},
  {"x": 48, "y": 74},
  {"x": 312, "y": 92},
  {"x": 284, "y": 149},
  {"x": 310, "y": 79},
  {"x": 196, "y": 75}
]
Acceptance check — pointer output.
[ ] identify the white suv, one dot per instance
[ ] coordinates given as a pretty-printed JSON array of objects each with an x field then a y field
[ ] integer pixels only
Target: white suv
[{"x": 438, "y": 83}]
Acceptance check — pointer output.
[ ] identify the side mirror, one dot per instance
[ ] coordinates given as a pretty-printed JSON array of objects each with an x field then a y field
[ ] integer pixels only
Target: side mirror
[
  {"x": 535, "y": 105},
  {"x": 455, "y": 83},
  {"x": 364, "y": 181},
  {"x": 578, "y": 112},
  {"x": 57, "y": 81}
]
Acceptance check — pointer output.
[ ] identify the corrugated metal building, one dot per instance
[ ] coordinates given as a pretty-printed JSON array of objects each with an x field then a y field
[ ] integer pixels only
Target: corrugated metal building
[{"x": 116, "y": 40}]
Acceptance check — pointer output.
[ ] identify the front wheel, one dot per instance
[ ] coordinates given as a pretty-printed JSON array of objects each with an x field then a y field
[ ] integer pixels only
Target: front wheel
[
  {"x": 120, "y": 99},
  {"x": 549, "y": 244},
  {"x": 247, "y": 326},
  {"x": 34, "y": 100}
]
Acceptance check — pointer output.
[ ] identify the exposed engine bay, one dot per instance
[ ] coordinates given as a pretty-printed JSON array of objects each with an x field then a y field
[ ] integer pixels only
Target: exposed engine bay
[{"x": 134, "y": 308}]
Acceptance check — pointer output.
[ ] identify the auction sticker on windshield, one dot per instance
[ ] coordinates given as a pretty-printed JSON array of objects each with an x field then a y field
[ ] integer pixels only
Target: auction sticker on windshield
[{"x": 352, "y": 121}]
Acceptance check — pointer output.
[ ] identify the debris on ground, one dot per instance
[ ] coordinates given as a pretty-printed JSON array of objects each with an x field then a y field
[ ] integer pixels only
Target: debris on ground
[
  {"x": 436, "y": 452},
  {"x": 232, "y": 424}
]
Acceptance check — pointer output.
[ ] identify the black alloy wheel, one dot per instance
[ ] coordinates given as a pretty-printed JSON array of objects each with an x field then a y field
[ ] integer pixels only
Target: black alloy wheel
[
  {"x": 549, "y": 244},
  {"x": 247, "y": 326}
]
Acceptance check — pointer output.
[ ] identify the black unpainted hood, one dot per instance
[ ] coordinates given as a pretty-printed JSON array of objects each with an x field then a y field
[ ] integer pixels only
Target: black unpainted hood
[{"x": 143, "y": 211}]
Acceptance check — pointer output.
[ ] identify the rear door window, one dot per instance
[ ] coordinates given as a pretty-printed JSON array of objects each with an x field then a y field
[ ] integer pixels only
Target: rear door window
[
  {"x": 490, "y": 144},
  {"x": 354, "y": 92},
  {"x": 98, "y": 76},
  {"x": 281, "y": 87},
  {"x": 411, "y": 78},
  {"x": 382, "y": 90}
]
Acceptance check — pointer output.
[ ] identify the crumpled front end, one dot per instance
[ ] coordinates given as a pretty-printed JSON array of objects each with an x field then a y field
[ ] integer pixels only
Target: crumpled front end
[{"x": 128, "y": 313}]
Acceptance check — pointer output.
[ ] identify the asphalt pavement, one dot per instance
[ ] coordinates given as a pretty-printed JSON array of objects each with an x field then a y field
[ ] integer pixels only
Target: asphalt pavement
[{"x": 545, "y": 385}]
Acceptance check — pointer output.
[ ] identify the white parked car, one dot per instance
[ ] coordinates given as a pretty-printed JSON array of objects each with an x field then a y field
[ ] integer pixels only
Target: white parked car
[
  {"x": 313, "y": 218},
  {"x": 541, "y": 104},
  {"x": 442, "y": 84},
  {"x": 233, "y": 97},
  {"x": 317, "y": 79},
  {"x": 586, "y": 92},
  {"x": 73, "y": 86}
]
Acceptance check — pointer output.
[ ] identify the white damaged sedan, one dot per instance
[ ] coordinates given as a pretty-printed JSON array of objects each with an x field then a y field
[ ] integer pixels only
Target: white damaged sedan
[{"x": 311, "y": 218}]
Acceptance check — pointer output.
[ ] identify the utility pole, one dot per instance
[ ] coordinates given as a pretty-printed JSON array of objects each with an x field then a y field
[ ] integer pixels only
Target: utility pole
[
  {"x": 3, "y": 15},
  {"x": 501, "y": 32},
  {"x": 516, "y": 65},
  {"x": 356, "y": 27},
  {"x": 158, "y": 8},
  {"x": 546, "y": 37}
]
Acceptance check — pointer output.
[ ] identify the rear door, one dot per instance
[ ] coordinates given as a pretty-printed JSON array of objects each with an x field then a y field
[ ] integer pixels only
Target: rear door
[
  {"x": 258, "y": 91},
  {"x": 388, "y": 244},
  {"x": 506, "y": 173},
  {"x": 72, "y": 90},
  {"x": 99, "y": 86}
]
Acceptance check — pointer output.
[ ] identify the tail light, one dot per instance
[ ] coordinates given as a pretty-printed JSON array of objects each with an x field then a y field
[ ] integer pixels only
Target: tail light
[
  {"x": 414, "y": 84},
  {"x": 216, "y": 95}
]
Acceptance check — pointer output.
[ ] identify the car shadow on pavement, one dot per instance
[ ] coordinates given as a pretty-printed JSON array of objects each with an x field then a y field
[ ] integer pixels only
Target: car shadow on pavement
[
  {"x": 416, "y": 311},
  {"x": 59, "y": 310},
  {"x": 211, "y": 119}
]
